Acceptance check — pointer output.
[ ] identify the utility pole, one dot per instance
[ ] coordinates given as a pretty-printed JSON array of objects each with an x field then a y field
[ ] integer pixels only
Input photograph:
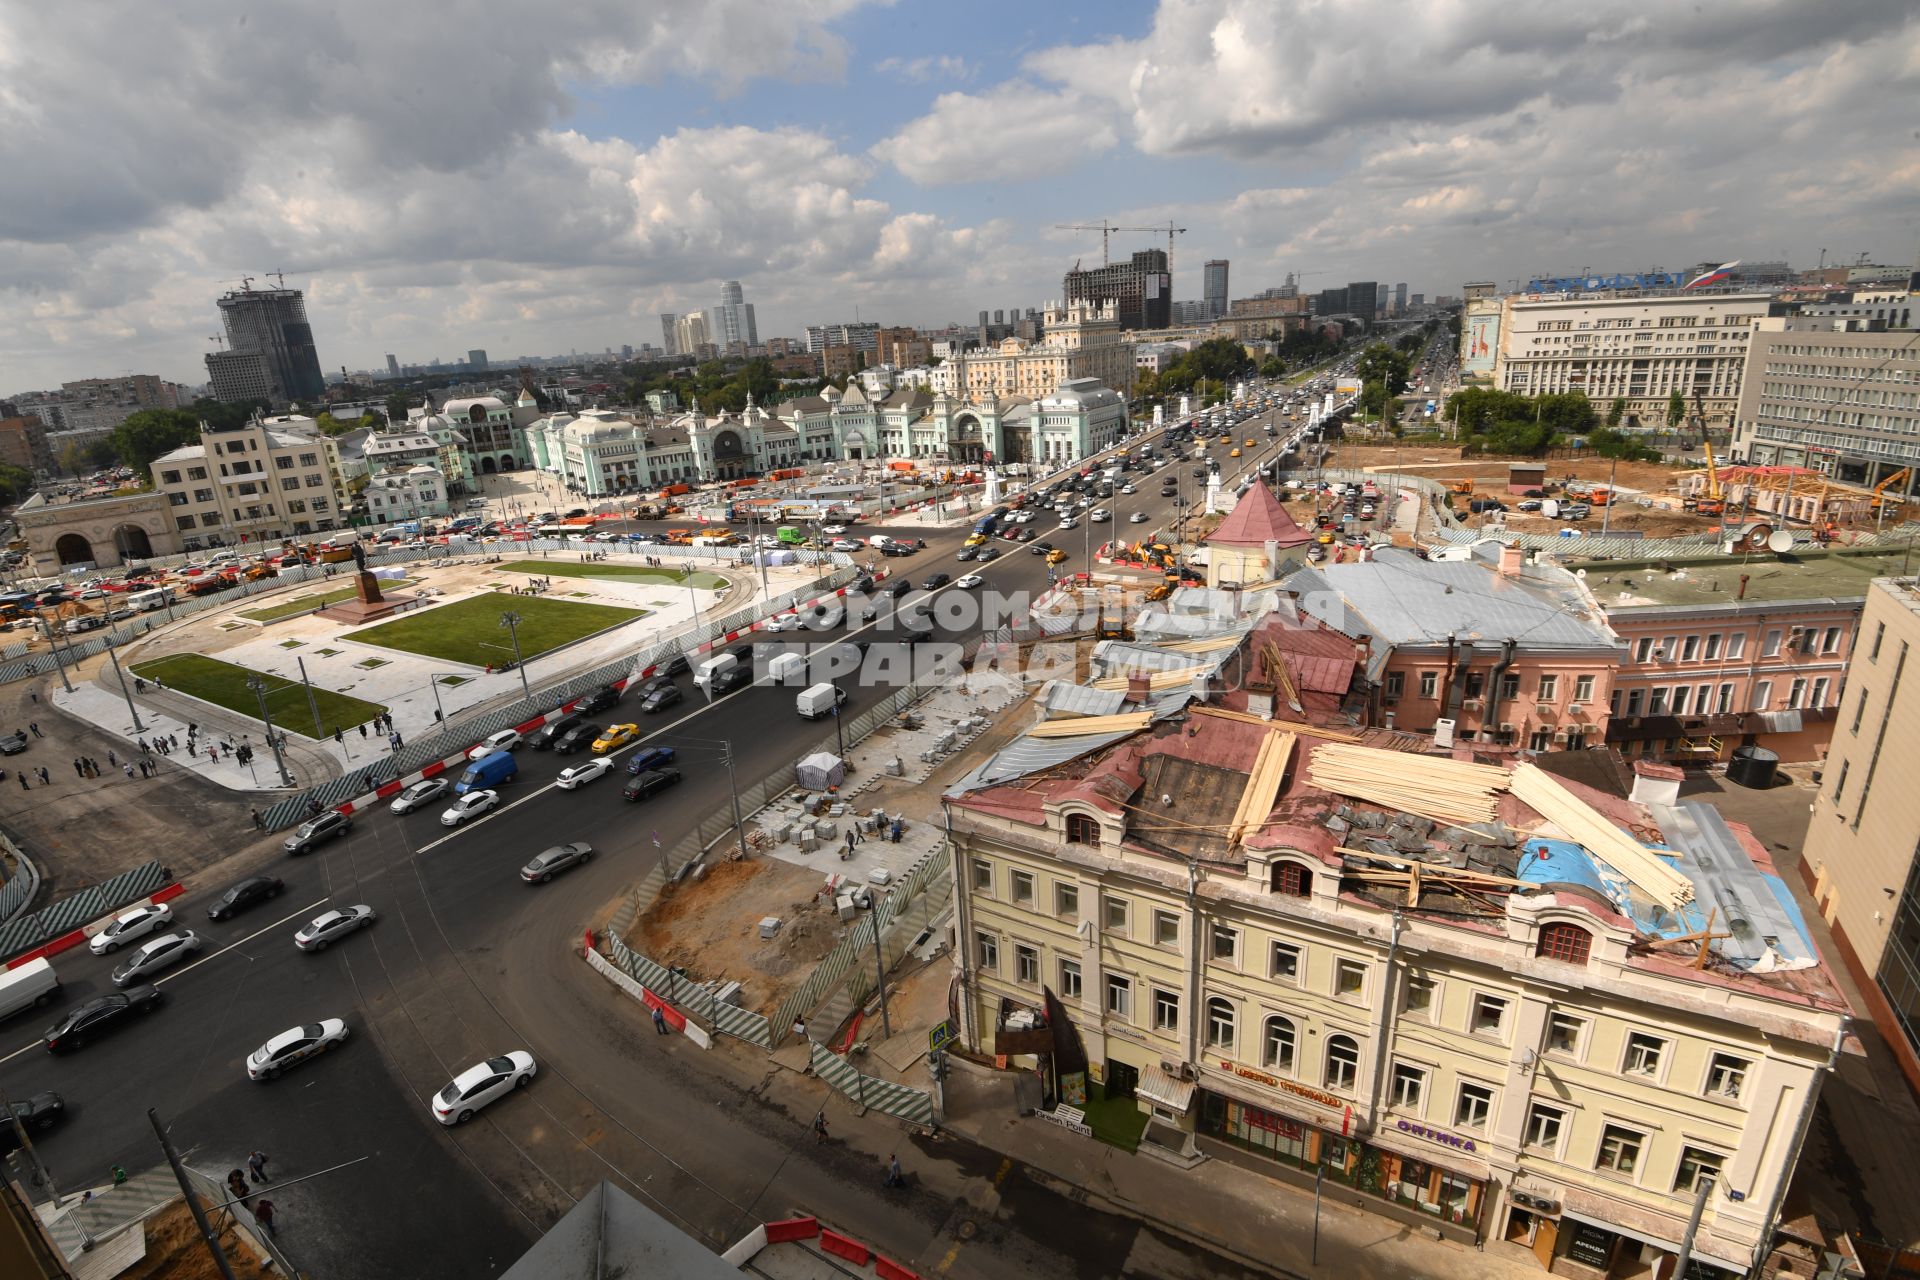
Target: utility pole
[
  {"x": 733, "y": 790},
  {"x": 207, "y": 1233},
  {"x": 125, "y": 692},
  {"x": 313, "y": 704},
  {"x": 511, "y": 621},
  {"x": 1685, "y": 1259},
  {"x": 880, "y": 972},
  {"x": 53, "y": 647},
  {"x": 259, "y": 688}
]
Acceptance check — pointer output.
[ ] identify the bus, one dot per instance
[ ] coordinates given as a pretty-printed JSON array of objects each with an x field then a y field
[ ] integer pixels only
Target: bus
[{"x": 150, "y": 601}]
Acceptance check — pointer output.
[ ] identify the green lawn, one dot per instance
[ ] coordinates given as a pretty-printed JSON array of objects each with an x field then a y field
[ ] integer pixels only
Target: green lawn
[
  {"x": 469, "y": 630},
  {"x": 607, "y": 569},
  {"x": 225, "y": 685},
  {"x": 300, "y": 604}
]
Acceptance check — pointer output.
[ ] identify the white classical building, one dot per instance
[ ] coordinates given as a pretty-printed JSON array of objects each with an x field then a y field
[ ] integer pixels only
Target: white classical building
[
  {"x": 412, "y": 493},
  {"x": 599, "y": 453}
]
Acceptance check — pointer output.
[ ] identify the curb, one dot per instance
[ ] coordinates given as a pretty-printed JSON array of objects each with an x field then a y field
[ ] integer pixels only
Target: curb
[{"x": 74, "y": 937}]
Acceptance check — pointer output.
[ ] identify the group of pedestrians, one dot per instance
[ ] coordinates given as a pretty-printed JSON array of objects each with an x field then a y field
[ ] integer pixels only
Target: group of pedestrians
[{"x": 237, "y": 1183}]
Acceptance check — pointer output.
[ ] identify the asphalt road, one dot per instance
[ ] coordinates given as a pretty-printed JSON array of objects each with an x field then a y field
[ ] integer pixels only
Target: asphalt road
[{"x": 466, "y": 961}]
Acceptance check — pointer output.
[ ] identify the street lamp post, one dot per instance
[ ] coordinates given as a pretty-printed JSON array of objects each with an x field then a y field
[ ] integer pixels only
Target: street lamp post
[
  {"x": 511, "y": 621},
  {"x": 53, "y": 647},
  {"x": 124, "y": 691},
  {"x": 259, "y": 688}
]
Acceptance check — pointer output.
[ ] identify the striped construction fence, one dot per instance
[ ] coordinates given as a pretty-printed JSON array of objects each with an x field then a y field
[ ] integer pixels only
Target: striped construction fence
[
  {"x": 903, "y": 1102},
  {"x": 53, "y": 929},
  {"x": 689, "y": 996}
]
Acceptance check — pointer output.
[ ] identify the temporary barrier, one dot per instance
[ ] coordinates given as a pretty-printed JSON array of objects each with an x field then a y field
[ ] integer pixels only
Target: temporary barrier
[
  {"x": 901, "y": 1101},
  {"x": 69, "y": 914}
]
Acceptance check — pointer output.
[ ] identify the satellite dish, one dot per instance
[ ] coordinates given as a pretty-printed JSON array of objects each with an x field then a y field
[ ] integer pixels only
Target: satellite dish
[
  {"x": 1779, "y": 541},
  {"x": 1579, "y": 573}
]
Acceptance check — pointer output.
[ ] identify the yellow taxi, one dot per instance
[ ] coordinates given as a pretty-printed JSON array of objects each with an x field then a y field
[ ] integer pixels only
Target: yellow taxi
[
  {"x": 1055, "y": 556},
  {"x": 1234, "y": 454},
  {"x": 615, "y": 737},
  {"x": 976, "y": 539},
  {"x": 1249, "y": 442},
  {"x": 1325, "y": 537}
]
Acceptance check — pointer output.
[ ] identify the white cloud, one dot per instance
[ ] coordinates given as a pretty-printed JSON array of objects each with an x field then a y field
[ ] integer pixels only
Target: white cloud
[
  {"x": 1012, "y": 132},
  {"x": 927, "y": 68}
]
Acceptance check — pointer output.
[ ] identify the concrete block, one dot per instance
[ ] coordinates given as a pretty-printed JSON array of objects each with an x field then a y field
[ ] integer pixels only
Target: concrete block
[{"x": 769, "y": 926}]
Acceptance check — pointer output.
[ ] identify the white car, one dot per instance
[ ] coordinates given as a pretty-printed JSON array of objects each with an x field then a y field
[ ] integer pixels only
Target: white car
[
  {"x": 1138, "y": 517},
  {"x": 833, "y": 530},
  {"x": 480, "y": 1084},
  {"x": 968, "y": 582},
  {"x": 1127, "y": 488},
  {"x": 1069, "y": 523},
  {"x": 163, "y": 951},
  {"x": 329, "y": 926},
  {"x": 783, "y": 622},
  {"x": 505, "y": 740},
  {"x": 579, "y": 775},
  {"x": 128, "y": 925},
  {"x": 419, "y": 795},
  {"x": 469, "y": 806},
  {"x": 293, "y": 1046}
]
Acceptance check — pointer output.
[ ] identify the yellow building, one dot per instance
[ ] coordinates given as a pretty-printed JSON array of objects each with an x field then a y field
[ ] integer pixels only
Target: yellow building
[
  {"x": 1081, "y": 341},
  {"x": 1504, "y": 1047}
]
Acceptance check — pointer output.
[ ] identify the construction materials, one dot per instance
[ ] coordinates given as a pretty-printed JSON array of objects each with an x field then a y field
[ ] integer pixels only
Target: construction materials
[
  {"x": 1539, "y": 791},
  {"x": 1127, "y": 722},
  {"x": 1292, "y": 726},
  {"x": 1263, "y": 785},
  {"x": 1156, "y": 680},
  {"x": 1451, "y": 791}
]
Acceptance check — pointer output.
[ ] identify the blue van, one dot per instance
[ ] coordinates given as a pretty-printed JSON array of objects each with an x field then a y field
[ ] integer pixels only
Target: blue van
[{"x": 488, "y": 772}]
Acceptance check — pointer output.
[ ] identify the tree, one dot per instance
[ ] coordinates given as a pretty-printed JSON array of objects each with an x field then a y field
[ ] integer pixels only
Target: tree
[
  {"x": 1273, "y": 367},
  {"x": 398, "y": 402},
  {"x": 224, "y": 416},
  {"x": 1410, "y": 342},
  {"x": 15, "y": 482},
  {"x": 1608, "y": 443},
  {"x": 148, "y": 433},
  {"x": 71, "y": 459},
  {"x": 101, "y": 455},
  {"x": 1676, "y": 411},
  {"x": 1616, "y": 412}
]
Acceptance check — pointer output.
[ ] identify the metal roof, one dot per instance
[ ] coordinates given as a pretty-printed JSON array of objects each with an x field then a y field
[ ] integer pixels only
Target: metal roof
[
  {"x": 1768, "y": 930},
  {"x": 1023, "y": 756},
  {"x": 1063, "y": 696}
]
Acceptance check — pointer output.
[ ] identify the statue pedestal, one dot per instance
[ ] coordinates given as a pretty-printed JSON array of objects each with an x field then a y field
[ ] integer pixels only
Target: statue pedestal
[{"x": 368, "y": 604}]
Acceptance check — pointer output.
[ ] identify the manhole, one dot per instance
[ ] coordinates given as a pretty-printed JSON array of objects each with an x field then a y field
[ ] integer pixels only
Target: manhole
[{"x": 968, "y": 1229}]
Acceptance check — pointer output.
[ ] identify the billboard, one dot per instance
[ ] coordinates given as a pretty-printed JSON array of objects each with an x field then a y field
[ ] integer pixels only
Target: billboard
[
  {"x": 1346, "y": 386},
  {"x": 1478, "y": 341}
]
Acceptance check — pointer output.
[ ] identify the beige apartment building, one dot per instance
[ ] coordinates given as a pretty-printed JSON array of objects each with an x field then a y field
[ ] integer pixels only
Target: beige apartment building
[
  {"x": 269, "y": 479},
  {"x": 1642, "y": 349},
  {"x": 1860, "y": 856},
  {"x": 1506, "y": 1042},
  {"x": 1082, "y": 340}
]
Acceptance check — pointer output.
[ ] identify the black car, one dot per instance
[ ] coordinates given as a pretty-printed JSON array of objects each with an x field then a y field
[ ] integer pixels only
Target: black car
[
  {"x": 662, "y": 698},
  {"x": 897, "y": 588},
  {"x": 578, "y": 738},
  {"x": 598, "y": 700},
  {"x": 656, "y": 682},
  {"x": 36, "y": 1114},
  {"x": 13, "y": 744},
  {"x": 732, "y": 678},
  {"x": 246, "y": 894},
  {"x": 542, "y": 739},
  {"x": 744, "y": 652},
  {"x": 677, "y": 665},
  {"x": 936, "y": 581},
  {"x": 316, "y": 832},
  {"x": 99, "y": 1015},
  {"x": 1039, "y": 548},
  {"x": 649, "y": 784}
]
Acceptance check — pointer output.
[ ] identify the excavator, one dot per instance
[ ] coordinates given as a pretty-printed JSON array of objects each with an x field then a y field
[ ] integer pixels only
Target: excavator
[
  {"x": 1893, "y": 481},
  {"x": 1714, "y": 503}
]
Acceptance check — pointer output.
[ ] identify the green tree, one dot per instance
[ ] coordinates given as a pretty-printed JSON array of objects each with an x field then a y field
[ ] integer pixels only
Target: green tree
[
  {"x": 101, "y": 454},
  {"x": 1273, "y": 367},
  {"x": 1608, "y": 443},
  {"x": 224, "y": 416},
  {"x": 1410, "y": 342},
  {"x": 1676, "y": 411},
  {"x": 148, "y": 433},
  {"x": 1617, "y": 412},
  {"x": 15, "y": 482},
  {"x": 398, "y": 402}
]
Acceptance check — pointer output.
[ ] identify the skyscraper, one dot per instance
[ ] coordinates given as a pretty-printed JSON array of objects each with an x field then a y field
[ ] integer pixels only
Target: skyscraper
[
  {"x": 1400, "y": 299},
  {"x": 1363, "y": 298},
  {"x": 1330, "y": 302},
  {"x": 1213, "y": 287},
  {"x": 393, "y": 366},
  {"x": 732, "y": 320},
  {"x": 1141, "y": 287},
  {"x": 477, "y": 359},
  {"x": 669, "y": 343},
  {"x": 270, "y": 324}
]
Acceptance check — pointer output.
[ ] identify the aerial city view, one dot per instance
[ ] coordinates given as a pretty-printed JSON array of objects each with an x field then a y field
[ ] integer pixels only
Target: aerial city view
[{"x": 1189, "y": 639}]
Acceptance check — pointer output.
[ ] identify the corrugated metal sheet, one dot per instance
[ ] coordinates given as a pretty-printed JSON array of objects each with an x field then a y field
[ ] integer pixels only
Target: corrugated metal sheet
[
  {"x": 1765, "y": 933},
  {"x": 1403, "y": 600},
  {"x": 1030, "y": 755},
  {"x": 1062, "y": 697}
]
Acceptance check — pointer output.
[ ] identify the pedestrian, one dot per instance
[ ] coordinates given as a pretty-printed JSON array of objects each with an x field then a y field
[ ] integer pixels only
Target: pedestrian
[
  {"x": 237, "y": 1183},
  {"x": 659, "y": 1021},
  {"x": 79, "y": 769},
  {"x": 820, "y": 1127},
  {"x": 129, "y": 768},
  {"x": 142, "y": 744},
  {"x": 45, "y": 781},
  {"x": 893, "y": 832},
  {"x": 193, "y": 729},
  {"x": 35, "y": 726},
  {"x": 339, "y": 738},
  {"x": 259, "y": 823},
  {"x": 257, "y": 1165},
  {"x": 849, "y": 840},
  {"x": 34, "y": 694},
  {"x": 894, "y": 1177},
  {"x": 190, "y": 748},
  {"x": 263, "y": 1214},
  {"x": 363, "y": 730},
  {"x": 173, "y": 739},
  {"x": 113, "y": 761},
  {"x": 24, "y": 784}
]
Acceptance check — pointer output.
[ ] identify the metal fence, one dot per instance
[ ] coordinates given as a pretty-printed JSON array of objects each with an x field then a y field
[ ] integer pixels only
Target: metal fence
[
  {"x": 88, "y": 904},
  {"x": 691, "y": 997},
  {"x": 901, "y": 1101},
  {"x": 20, "y": 885},
  {"x": 216, "y": 1192}
]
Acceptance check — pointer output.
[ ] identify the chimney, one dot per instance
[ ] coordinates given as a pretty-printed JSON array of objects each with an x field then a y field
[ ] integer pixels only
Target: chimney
[
  {"x": 1511, "y": 558},
  {"x": 1742, "y": 593},
  {"x": 1138, "y": 689}
]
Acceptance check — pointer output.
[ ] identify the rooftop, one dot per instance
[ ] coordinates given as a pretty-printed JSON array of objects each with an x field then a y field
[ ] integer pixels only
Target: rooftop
[{"x": 1814, "y": 575}]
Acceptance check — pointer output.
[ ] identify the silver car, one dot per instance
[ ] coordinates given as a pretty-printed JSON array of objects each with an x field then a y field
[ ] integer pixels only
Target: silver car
[
  {"x": 331, "y": 926},
  {"x": 156, "y": 955},
  {"x": 420, "y": 795},
  {"x": 560, "y": 858}
]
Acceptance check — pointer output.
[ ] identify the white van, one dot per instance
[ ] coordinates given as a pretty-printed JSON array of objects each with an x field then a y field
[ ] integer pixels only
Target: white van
[
  {"x": 787, "y": 668},
  {"x": 704, "y": 673},
  {"x": 819, "y": 700},
  {"x": 33, "y": 983}
]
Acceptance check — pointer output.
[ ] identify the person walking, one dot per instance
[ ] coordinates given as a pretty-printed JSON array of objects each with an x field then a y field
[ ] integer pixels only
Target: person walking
[
  {"x": 142, "y": 744},
  {"x": 257, "y": 1165},
  {"x": 894, "y": 1177},
  {"x": 659, "y": 1021},
  {"x": 24, "y": 784},
  {"x": 35, "y": 726},
  {"x": 237, "y": 1184},
  {"x": 113, "y": 761},
  {"x": 129, "y": 768},
  {"x": 79, "y": 769},
  {"x": 259, "y": 823},
  {"x": 819, "y": 1127},
  {"x": 263, "y": 1214},
  {"x": 45, "y": 781}
]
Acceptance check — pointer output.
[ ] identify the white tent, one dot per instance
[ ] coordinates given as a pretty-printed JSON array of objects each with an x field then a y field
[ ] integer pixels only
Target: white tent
[{"x": 820, "y": 770}]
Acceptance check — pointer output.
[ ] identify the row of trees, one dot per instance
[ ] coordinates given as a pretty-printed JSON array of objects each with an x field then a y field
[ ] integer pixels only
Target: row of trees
[
  {"x": 1492, "y": 421},
  {"x": 1214, "y": 363}
]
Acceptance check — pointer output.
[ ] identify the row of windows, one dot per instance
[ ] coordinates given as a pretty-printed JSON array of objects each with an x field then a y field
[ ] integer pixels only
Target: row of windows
[
  {"x": 1546, "y": 687},
  {"x": 1842, "y": 395},
  {"x": 1708, "y": 647}
]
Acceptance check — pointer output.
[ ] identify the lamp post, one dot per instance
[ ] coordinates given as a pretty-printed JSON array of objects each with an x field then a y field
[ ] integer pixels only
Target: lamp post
[
  {"x": 53, "y": 647},
  {"x": 125, "y": 692},
  {"x": 259, "y": 688},
  {"x": 511, "y": 621}
]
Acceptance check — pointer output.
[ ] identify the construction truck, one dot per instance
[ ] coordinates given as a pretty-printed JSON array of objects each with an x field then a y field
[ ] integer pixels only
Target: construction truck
[{"x": 1463, "y": 487}]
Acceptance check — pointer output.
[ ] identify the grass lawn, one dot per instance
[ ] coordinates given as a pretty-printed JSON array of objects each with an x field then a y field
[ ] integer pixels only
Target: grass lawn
[
  {"x": 302, "y": 603},
  {"x": 469, "y": 630},
  {"x": 225, "y": 685},
  {"x": 607, "y": 569},
  {"x": 1118, "y": 1122}
]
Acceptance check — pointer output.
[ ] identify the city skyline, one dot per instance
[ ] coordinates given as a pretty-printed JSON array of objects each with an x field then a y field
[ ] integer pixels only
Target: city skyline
[{"x": 904, "y": 185}]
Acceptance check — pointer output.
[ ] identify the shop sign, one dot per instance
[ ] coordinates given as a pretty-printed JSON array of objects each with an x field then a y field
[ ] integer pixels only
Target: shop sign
[
  {"x": 1436, "y": 1135},
  {"x": 1273, "y": 1082}
]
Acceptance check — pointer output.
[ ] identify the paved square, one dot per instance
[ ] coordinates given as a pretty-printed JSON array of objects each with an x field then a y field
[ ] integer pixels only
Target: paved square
[{"x": 469, "y": 631}]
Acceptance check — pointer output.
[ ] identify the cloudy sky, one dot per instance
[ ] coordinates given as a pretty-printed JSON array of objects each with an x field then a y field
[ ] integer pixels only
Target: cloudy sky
[{"x": 538, "y": 177}]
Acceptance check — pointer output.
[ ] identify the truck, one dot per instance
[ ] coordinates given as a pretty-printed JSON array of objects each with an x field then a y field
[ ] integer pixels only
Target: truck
[
  {"x": 487, "y": 772},
  {"x": 789, "y": 535},
  {"x": 819, "y": 700}
]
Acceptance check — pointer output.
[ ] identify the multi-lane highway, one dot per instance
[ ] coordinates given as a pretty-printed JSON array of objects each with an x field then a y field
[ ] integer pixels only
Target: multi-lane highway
[{"x": 465, "y": 962}]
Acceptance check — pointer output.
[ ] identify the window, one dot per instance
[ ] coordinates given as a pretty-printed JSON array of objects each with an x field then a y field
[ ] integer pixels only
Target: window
[
  {"x": 1082, "y": 830},
  {"x": 1276, "y": 1045},
  {"x": 1022, "y": 883},
  {"x": 1066, "y": 900},
  {"x": 1643, "y": 1054},
  {"x": 1696, "y": 1166},
  {"x": 1220, "y": 1030},
  {"x": 1473, "y": 1107},
  {"x": 1489, "y": 1015},
  {"x": 1114, "y": 919},
  {"x": 1619, "y": 1150},
  {"x": 1583, "y": 689},
  {"x": 284, "y": 462},
  {"x": 1689, "y": 648},
  {"x": 1680, "y": 700},
  {"x": 982, "y": 876},
  {"x": 1419, "y": 997},
  {"x": 1544, "y": 1126},
  {"x": 1770, "y": 648},
  {"x": 1429, "y": 684},
  {"x": 1840, "y": 783},
  {"x": 1643, "y": 650},
  {"x": 1408, "y": 1090},
  {"x": 1564, "y": 1032},
  {"x": 1879, "y": 635},
  {"x": 169, "y": 477},
  {"x": 1026, "y": 965},
  {"x": 1166, "y": 1010},
  {"x": 1737, "y": 644},
  {"x": 1763, "y": 695},
  {"x": 1819, "y": 693},
  {"x": 1713, "y": 647},
  {"x": 1283, "y": 962},
  {"x": 986, "y": 949},
  {"x": 1343, "y": 1063},
  {"x": 1166, "y": 929},
  {"x": 1349, "y": 978},
  {"x": 1830, "y": 640},
  {"x": 1633, "y": 701},
  {"x": 1509, "y": 687},
  {"x": 1119, "y": 996},
  {"x": 1292, "y": 879},
  {"x": 1396, "y": 683},
  {"x": 1657, "y": 702},
  {"x": 1226, "y": 943},
  {"x": 1725, "y": 1075},
  {"x": 1859, "y": 711},
  {"x": 1567, "y": 943},
  {"x": 1549, "y": 688}
]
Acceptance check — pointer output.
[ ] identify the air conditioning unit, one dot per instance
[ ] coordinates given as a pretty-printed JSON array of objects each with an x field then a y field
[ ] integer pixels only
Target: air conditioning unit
[
  {"x": 1577, "y": 708},
  {"x": 1472, "y": 704},
  {"x": 1560, "y": 738},
  {"x": 1662, "y": 655},
  {"x": 1507, "y": 728},
  {"x": 1544, "y": 709}
]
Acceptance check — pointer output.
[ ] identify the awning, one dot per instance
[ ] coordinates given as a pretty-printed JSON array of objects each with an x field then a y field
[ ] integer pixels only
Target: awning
[
  {"x": 1585, "y": 1207},
  {"x": 1157, "y": 1086}
]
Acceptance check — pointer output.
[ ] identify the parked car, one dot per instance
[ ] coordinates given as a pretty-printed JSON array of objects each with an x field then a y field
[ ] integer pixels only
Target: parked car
[
  {"x": 163, "y": 952},
  {"x": 505, "y": 740},
  {"x": 419, "y": 795},
  {"x": 660, "y": 699},
  {"x": 89, "y": 1021},
  {"x": 481, "y": 1084},
  {"x": 677, "y": 665},
  {"x": 579, "y": 775},
  {"x": 128, "y": 925},
  {"x": 294, "y": 1046},
  {"x": 650, "y": 758},
  {"x": 468, "y": 807},
  {"x": 550, "y": 862},
  {"x": 599, "y": 700},
  {"x": 248, "y": 893},
  {"x": 647, "y": 785},
  {"x": 331, "y": 926},
  {"x": 310, "y": 835},
  {"x": 13, "y": 744}
]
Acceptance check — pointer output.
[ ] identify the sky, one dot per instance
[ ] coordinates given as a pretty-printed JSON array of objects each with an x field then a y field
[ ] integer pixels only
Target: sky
[{"x": 537, "y": 177}]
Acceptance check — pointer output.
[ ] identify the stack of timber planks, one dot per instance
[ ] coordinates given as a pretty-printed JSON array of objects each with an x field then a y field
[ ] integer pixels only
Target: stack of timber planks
[{"x": 1452, "y": 791}]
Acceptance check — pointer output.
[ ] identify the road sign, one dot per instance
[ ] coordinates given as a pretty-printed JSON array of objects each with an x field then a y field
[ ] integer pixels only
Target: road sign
[{"x": 942, "y": 1035}]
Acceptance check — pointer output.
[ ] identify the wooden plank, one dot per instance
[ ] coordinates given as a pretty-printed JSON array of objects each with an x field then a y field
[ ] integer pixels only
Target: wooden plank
[
  {"x": 1156, "y": 680},
  {"x": 1583, "y": 824},
  {"x": 1074, "y": 728},
  {"x": 1291, "y": 726}
]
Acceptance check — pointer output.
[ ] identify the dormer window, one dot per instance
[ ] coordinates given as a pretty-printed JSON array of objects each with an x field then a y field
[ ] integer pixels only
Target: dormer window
[
  {"x": 1292, "y": 879},
  {"x": 1567, "y": 943},
  {"x": 1082, "y": 830}
]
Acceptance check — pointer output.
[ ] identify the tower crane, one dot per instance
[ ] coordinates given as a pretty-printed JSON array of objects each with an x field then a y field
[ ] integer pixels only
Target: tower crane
[{"x": 1106, "y": 230}]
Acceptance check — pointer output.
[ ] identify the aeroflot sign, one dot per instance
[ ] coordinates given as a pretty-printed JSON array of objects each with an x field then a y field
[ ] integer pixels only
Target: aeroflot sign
[{"x": 1596, "y": 284}]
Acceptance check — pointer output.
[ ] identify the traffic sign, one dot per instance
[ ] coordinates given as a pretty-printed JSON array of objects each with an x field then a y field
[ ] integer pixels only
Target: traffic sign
[{"x": 942, "y": 1035}]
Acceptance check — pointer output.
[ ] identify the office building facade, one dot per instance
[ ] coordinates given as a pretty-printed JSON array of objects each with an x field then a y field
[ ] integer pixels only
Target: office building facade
[
  {"x": 1837, "y": 395},
  {"x": 267, "y": 479},
  {"x": 1363, "y": 298},
  {"x": 1141, "y": 289},
  {"x": 270, "y": 324},
  {"x": 1213, "y": 287},
  {"x": 732, "y": 321}
]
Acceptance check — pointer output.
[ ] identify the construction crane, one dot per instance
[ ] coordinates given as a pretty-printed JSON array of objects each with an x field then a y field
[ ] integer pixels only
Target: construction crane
[
  {"x": 1714, "y": 503},
  {"x": 1106, "y": 230}
]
